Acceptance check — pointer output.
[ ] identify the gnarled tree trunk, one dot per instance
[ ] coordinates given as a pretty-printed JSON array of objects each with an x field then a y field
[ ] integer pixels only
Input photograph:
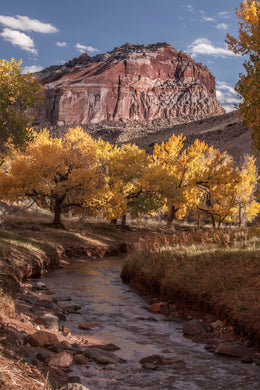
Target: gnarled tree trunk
[
  {"x": 172, "y": 215},
  {"x": 58, "y": 200},
  {"x": 213, "y": 221},
  {"x": 123, "y": 220}
]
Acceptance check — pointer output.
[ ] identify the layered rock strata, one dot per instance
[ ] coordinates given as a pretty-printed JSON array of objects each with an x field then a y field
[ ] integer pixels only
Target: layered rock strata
[{"x": 131, "y": 83}]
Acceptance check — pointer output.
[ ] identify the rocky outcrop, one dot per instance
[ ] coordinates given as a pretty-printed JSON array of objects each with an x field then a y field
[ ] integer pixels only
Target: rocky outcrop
[{"x": 131, "y": 83}]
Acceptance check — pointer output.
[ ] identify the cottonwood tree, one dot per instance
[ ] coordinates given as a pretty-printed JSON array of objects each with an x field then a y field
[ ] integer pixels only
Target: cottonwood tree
[
  {"x": 246, "y": 207},
  {"x": 124, "y": 167},
  {"x": 248, "y": 86},
  {"x": 17, "y": 94},
  {"x": 227, "y": 193},
  {"x": 58, "y": 174},
  {"x": 217, "y": 183},
  {"x": 182, "y": 168},
  {"x": 166, "y": 156},
  {"x": 201, "y": 179}
]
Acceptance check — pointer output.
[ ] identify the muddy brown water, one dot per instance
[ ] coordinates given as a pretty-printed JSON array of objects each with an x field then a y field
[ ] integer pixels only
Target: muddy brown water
[{"x": 97, "y": 287}]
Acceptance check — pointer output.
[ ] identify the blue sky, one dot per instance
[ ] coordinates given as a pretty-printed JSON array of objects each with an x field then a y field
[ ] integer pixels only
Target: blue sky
[{"x": 44, "y": 33}]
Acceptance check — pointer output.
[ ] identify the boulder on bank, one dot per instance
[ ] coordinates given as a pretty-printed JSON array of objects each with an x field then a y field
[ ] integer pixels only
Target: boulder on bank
[
  {"x": 71, "y": 307},
  {"x": 49, "y": 321},
  {"x": 41, "y": 339},
  {"x": 101, "y": 356},
  {"x": 87, "y": 325},
  {"x": 80, "y": 359},
  {"x": 157, "y": 307},
  {"x": 42, "y": 356},
  {"x": 158, "y": 359},
  {"x": 46, "y": 304},
  {"x": 62, "y": 359},
  {"x": 233, "y": 349},
  {"x": 39, "y": 286},
  {"x": 107, "y": 347},
  {"x": 194, "y": 328}
]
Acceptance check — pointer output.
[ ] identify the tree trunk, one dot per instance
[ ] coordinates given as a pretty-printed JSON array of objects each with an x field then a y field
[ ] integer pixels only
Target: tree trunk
[
  {"x": 239, "y": 216},
  {"x": 123, "y": 221},
  {"x": 171, "y": 215},
  {"x": 57, "y": 213},
  {"x": 213, "y": 221},
  {"x": 198, "y": 220},
  {"x": 113, "y": 221}
]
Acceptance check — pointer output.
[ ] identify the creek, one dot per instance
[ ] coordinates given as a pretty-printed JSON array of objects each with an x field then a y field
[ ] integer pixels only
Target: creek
[{"x": 124, "y": 321}]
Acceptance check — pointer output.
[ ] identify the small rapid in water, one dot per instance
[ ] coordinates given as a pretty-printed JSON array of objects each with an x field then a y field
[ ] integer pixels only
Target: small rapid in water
[{"x": 124, "y": 321}]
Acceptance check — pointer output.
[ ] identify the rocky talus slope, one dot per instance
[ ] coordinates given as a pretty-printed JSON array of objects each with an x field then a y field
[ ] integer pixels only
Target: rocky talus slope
[
  {"x": 225, "y": 132},
  {"x": 133, "y": 83}
]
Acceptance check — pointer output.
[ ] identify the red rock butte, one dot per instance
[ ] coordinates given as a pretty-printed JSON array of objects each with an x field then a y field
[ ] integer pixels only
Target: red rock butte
[{"x": 130, "y": 83}]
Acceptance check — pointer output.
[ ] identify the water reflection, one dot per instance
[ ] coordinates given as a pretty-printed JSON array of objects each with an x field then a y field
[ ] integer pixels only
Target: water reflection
[{"x": 97, "y": 287}]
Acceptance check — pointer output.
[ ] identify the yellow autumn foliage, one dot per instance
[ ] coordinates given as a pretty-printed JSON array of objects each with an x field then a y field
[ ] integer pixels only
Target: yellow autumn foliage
[
  {"x": 248, "y": 86},
  {"x": 58, "y": 174},
  {"x": 77, "y": 172},
  {"x": 17, "y": 94}
]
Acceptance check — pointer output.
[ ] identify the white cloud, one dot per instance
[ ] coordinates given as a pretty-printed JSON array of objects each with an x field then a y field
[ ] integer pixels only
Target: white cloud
[
  {"x": 188, "y": 7},
  {"x": 32, "y": 69},
  {"x": 229, "y": 108},
  {"x": 209, "y": 19},
  {"x": 204, "y": 46},
  {"x": 222, "y": 85},
  {"x": 83, "y": 48},
  {"x": 227, "y": 96},
  {"x": 224, "y": 14},
  {"x": 20, "y": 39},
  {"x": 23, "y": 23},
  {"x": 61, "y": 44},
  {"x": 222, "y": 26}
]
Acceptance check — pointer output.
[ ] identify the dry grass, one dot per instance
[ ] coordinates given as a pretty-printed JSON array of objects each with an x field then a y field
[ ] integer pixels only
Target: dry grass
[
  {"x": 28, "y": 243},
  {"x": 33, "y": 224},
  {"x": 222, "y": 268},
  {"x": 21, "y": 376},
  {"x": 7, "y": 306}
]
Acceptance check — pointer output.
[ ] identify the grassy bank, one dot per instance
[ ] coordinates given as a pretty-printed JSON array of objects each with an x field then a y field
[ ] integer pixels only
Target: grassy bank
[
  {"x": 29, "y": 245},
  {"x": 210, "y": 272}
]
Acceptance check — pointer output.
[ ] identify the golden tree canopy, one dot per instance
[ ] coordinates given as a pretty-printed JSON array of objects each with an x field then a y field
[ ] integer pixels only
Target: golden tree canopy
[
  {"x": 17, "y": 94},
  {"x": 248, "y": 86},
  {"x": 58, "y": 174}
]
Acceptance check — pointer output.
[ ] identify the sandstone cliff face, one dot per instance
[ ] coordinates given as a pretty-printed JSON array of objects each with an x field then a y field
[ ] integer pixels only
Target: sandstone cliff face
[{"x": 131, "y": 83}]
